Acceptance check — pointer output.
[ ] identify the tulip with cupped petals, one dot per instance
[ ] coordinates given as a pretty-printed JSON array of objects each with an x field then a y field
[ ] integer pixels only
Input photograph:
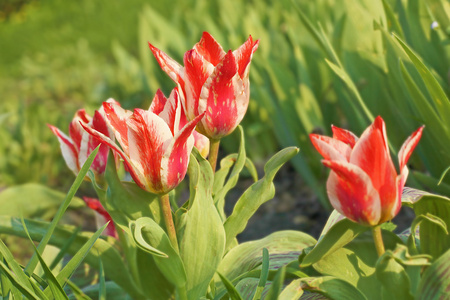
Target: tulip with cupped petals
[
  {"x": 363, "y": 183},
  {"x": 160, "y": 105},
  {"x": 154, "y": 148},
  {"x": 213, "y": 82},
  {"x": 78, "y": 145}
]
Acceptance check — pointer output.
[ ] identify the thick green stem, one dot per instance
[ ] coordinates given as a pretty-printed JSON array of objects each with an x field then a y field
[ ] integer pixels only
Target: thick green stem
[
  {"x": 182, "y": 294},
  {"x": 168, "y": 221},
  {"x": 378, "y": 238},
  {"x": 213, "y": 152}
]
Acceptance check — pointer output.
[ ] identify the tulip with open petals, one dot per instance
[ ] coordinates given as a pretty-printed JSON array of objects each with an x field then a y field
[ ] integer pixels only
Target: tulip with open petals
[
  {"x": 154, "y": 149},
  {"x": 363, "y": 183},
  {"x": 79, "y": 144},
  {"x": 213, "y": 82}
]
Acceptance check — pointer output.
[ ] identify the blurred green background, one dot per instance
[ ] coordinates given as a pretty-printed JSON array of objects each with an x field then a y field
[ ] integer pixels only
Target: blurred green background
[{"x": 322, "y": 62}]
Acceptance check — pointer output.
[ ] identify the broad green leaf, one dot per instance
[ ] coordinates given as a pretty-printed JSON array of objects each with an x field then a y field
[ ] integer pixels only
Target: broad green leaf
[
  {"x": 416, "y": 222},
  {"x": 277, "y": 284},
  {"x": 151, "y": 276},
  {"x": 264, "y": 274},
  {"x": 246, "y": 288},
  {"x": 76, "y": 260},
  {"x": 340, "y": 234},
  {"x": 292, "y": 291},
  {"x": 219, "y": 195},
  {"x": 331, "y": 287},
  {"x": 150, "y": 237},
  {"x": 283, "y": 247},
  {"x": 434, "y": 238},
  {"x": 73, "y": 189},
  {"x": 355, "y": 262},
  {"x": 393, "y": 277},
  {"x": 33, "y": 200},
  {"x": 232, "y": 292},
  {"x": 125, "y": 201},
  {"x": 112, "y": 261},
  {"x": 54, "y": 285},
  {"x": 203, "y": 237},
  {"x": 257, "y": 194},
  {"x": 436, "y": 279}
]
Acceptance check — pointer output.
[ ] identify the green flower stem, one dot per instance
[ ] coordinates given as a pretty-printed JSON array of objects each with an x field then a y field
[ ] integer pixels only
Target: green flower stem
[
  {"x": 378, "y": 238},
  {"x": 213, "y": 152},
  {"x": 182, "y": 294},
  {"x": 168, "y": 221}
]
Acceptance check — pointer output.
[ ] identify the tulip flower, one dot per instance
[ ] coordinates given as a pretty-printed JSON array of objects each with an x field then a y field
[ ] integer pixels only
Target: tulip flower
[
  {"x": 101, "y": 216},
  {"x": 79, "y": 144},
  {"x": 160, "y": 105},
  {"x": 154, "y": 149},
  {"x": 213, "y": 82},
  {"x": 363, "y": 183}
]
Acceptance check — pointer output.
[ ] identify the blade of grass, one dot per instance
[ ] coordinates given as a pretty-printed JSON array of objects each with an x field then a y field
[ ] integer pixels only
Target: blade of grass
[
  {"x": 64, "y": 249},
  {"x": 232, "y": 292},
  {"x": 77, "y": 292},
  {"x": 22, "y": 288},
  {"x": 68, "y": 270},
  {"x": 102, "y": 288},
  {"x": 34, "y": 260},
  {"x": 434, "y": 88},
  {"x": 55, "y": 287},
  {"x": 264, "y": 275}
]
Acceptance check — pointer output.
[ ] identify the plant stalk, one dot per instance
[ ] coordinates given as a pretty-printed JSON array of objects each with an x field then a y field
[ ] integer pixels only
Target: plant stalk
[
  {"x": 168, "y": 221},
  {"x": 378, "y": 238},
  {"x": 213, "y": 153}
]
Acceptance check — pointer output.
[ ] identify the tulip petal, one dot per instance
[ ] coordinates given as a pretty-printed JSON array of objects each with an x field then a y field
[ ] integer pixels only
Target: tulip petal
[
  {"x": 117, "y": 118},
  {"x": 170, "y": 66},
  {"x": 68, "y": 149},
  {"x": 89, "y": 143},
  {"x": 351, "y": 193},
  {"x": 169, "y": 109},
  {"x": 408, "y": 147},
  {"x": 330, "y": 148},
  {"x": 345, "y": 136},
  {"x": 210, "y": 49},
  {"x": 134, "y": 172},
  {"x": 75, "y": 129},
  {"x": 147, "y": 135},
  {"x": 244, "y": 56},
  {"x": 371, "y": 154},
  {"x": 222, "y": 93},
  {"x": 197, "y": 70},
  {"x": 176, "y": 157}
]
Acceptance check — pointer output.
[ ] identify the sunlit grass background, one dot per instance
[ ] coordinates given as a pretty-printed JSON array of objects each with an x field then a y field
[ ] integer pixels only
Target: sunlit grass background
[{"x": 319, "y": 63}]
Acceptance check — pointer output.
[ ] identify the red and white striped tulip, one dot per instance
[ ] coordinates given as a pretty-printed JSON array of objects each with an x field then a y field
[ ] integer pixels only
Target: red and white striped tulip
[
  {"x": 363, "y": 184},
  {"x": 154, "y": 148},
  {"x": 213, "y": 82},
  {"x": 161, "y": 105},
  {"x": 79, "y": 144},
  {"x": 101, "y": 216}
]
